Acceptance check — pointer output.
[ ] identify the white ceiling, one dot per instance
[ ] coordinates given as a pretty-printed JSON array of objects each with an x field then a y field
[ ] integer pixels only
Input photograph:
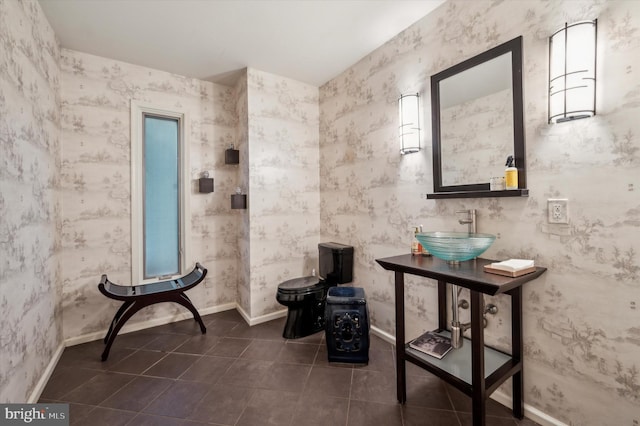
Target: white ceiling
[{"x": 307, "y": 40}]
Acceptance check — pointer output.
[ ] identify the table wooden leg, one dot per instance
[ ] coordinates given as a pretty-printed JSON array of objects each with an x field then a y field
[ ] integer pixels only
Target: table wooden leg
[
  {"x": 400, "y": 339},
  {"x": 477, "y": 359},
  {"x": 517, "y": 349}
]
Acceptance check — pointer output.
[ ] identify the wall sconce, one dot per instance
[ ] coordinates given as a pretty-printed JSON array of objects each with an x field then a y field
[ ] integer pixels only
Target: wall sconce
[
  {"x": 205, "y": 183},
  {"x": 409, "y": 129},
  {"x": 572, "y": 72}
]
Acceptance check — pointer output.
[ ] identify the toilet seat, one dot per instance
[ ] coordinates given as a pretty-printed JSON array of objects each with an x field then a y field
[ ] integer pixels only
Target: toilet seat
[
  {"x": 301, "y": 286},
  {"x": 301, "y": 289}
]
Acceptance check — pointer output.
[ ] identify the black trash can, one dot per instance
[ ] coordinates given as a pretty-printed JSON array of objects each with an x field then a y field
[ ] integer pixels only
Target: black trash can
[{"x": 347, "y": 325}]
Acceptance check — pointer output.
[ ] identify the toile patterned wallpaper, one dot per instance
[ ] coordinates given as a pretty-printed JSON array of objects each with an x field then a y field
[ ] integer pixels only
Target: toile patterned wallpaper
[
  {"x": 30, "y": 211},
  {"x": 95, "y": 175},
  {"x": 277, "y": 134},
  {"x": 284, "y": 191},
  {"x": 243, "y": 291},
  {"x": 582, "y": 327}
]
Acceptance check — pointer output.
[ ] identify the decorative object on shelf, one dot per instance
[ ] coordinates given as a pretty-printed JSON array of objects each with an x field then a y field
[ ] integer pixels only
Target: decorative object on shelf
[
  {"x": 496, "y": 183},
  {"x": 231, "y": 156},
  {"x": 238, "y": 200},
  {"x": 511, "y": 174},
  {"x": 409, "y": 129},
  {"x": 205, "y": 183},
  {"x": 432, "y": 343},
  {"x": 416, "y": 247},
  {"x": 572, "y": 72}
]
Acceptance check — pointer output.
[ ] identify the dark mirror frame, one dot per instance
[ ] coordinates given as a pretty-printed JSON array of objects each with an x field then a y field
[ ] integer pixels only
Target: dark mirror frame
[{"x": 482, "y": 189}]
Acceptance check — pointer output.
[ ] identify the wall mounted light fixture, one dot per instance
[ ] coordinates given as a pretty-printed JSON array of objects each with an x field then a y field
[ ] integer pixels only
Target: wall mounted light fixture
[
  {"x": 409, "y": 129},
  {"x": 572, "y": 72}
]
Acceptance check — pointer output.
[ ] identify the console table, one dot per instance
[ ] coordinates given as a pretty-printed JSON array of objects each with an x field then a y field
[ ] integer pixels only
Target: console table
[
  {"x": 137, "y": 297},
  {"x": 475, "y": 369}
]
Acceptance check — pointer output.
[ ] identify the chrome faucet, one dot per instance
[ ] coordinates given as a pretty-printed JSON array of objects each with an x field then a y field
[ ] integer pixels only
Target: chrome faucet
[
  {"x": 470, "y": 219},
  {"x": 458, "y": 329}
]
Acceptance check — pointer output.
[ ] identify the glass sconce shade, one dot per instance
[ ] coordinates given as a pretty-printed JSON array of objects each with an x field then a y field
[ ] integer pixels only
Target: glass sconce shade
[
  {"x": 572, "y": 72},
  {"x": 409, "y": 129}
]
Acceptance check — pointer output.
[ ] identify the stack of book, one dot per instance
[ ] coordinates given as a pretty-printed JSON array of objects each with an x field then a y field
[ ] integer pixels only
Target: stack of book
[
  {"x": 511, "y": 268},
  {"x": 432, "y": 344}
]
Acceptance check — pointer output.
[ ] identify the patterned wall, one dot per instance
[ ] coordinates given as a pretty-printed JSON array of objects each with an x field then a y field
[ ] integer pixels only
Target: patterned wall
[
  {"x": 30, "y": 153},
  {"x": 96, "y": 97},
  {"x": 283, "y": 178},
  {"x": 243, "y": 291},
  {"x": 582, "y": 327}
]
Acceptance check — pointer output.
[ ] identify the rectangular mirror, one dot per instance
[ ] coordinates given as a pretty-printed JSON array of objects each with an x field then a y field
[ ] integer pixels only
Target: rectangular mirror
[{"x": 477, "y": 122}]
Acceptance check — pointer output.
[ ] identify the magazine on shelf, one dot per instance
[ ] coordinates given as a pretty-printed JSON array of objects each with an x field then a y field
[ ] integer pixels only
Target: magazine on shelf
[{"x": 432, "y": 344}]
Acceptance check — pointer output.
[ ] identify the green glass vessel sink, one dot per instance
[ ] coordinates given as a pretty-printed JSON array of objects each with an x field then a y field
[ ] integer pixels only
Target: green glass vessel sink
[{"x": 455, "y": 246}]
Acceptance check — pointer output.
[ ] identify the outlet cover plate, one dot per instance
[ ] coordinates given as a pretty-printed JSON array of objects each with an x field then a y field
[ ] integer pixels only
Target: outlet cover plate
[{"x": 558, "y": 210}]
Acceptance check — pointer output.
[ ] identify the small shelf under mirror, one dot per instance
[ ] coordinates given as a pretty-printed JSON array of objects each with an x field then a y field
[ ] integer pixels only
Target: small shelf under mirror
[{"x": 521, "y": 192}]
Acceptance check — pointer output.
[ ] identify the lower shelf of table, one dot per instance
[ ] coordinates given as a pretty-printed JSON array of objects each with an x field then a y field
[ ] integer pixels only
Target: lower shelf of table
[{"x": 457, "y": 362}]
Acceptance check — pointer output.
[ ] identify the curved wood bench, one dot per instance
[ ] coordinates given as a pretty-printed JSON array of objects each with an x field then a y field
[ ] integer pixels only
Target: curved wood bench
[{"x": 139, "y": 296}]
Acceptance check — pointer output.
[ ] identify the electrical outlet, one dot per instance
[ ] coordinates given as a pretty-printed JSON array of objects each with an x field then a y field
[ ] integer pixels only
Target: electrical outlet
[{"x": 558, "y": 210}]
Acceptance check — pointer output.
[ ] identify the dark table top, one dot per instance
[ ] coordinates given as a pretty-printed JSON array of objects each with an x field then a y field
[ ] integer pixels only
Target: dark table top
[{"x": 469, "y": 274}]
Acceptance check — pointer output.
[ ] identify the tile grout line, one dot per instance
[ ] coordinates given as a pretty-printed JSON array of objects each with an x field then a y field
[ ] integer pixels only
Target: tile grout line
[{"x": 349, "y": 398}]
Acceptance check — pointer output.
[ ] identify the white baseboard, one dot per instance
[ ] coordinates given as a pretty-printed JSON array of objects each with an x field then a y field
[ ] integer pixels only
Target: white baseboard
[
  {"x": 383, "y": 335},
  {"x": 90, "y": 337},
  {"x": 262, "y": 318},
  {"x": 46, "y": 375},
  {"x": 543, "y": 419}
]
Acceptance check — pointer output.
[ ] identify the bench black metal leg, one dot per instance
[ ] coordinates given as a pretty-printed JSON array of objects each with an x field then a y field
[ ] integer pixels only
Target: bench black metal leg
[
  {"x": 129, "y": 308},
  {"x": 184, "y": 301},
  {"x": 126, "y": 313},
  {"x": 117, "y": 316}
]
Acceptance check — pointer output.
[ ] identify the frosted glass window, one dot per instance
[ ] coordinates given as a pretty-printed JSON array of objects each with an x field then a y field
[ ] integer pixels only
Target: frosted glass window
[{"x": 161, "y": 210}]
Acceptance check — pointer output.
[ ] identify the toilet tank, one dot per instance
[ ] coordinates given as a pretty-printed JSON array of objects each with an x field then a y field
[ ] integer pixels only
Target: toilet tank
[{"x": 336, "y": 263}]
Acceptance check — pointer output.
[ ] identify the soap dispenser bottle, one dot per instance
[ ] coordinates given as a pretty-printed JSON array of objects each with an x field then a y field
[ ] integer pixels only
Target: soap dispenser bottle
[
  {"x": 416, "y": 247},
  {"x": 511, "y": 174}
]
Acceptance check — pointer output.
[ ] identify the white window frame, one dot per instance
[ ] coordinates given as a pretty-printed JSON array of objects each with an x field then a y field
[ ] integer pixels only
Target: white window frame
[{"x": 138, "y": 109}]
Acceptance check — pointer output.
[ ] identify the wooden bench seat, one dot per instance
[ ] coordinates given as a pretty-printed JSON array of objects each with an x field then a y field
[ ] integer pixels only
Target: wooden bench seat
[{"x": 139, "y": 296}]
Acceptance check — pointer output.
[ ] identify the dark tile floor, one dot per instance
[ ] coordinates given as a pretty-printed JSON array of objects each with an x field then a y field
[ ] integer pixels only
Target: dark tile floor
[{"x": 247, "y": 376}]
